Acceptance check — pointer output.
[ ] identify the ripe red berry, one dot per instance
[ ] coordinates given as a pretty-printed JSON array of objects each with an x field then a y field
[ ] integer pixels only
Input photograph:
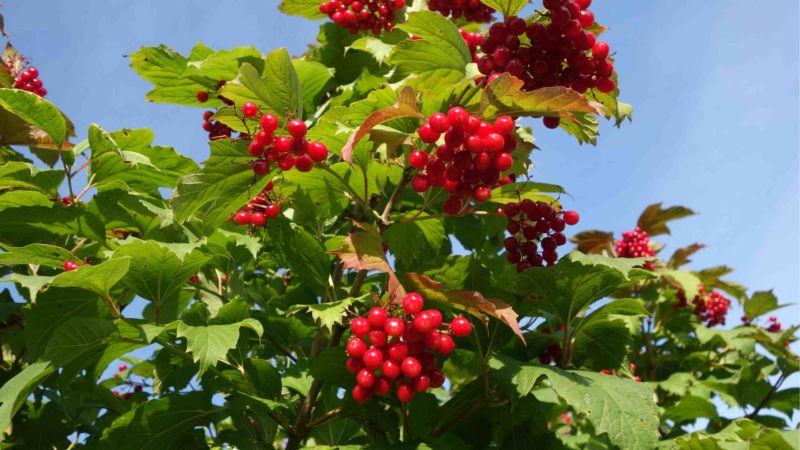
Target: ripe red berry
[
  {"x": 365, "y": 378},
  {"x": 411, "y": 367},
  {"x": 202, "y": 96},
  {"x": 421, "y": 383},
  {"x": 413, "y": 303},
  {"x": 377, "y": 338},
  {"x": 552, "y": 122},
  {"x": 427, "y": 134},
  {"x": 123, "y": 367},
  {"x": 405, "y": 392},
  {"x": 272, "y": 210},
  {"x": 439, "y": 123},
  {"x": 361, "y": 394},
  {"x": 504, "y": 125},
  {"x": 481, "y": 194},
  {"x": 242, "y": 218},
  {"x": 571, "y": 217},
  {"x": 446, "y": 344},
  {"x": 382, "y": 387},
  {"x": 249, "y": 109},
  {"x": 258, "y": 219},
  {"x": 297, "y": 128},
  {"x": 424, "y": 322},
  {"x": 600, "y": 50},
  {"x": 373, "y": 359},
  {"x": 269, "y": 123},
  {"x": 503, "y": 162},
  {"x": 360, "y": 326},
  {"x": 606, "y": 85},
  {"x": 436, "y": 377},
  {"x": 457, "y": 117},
  {"x": 391, "y": 369},
  {"x": 460, "y": 327},
  {"x": 420, "y": 183},
  {"x": 283, "y": 144},
  {"x": 318, "y": 151},
  {"x": 452, "y": 205},
  {"x": 397, "y": 351},
  {"x": 356, "y": 347},
  {"x": 69, "y": 266},
  {"x": 377, "y": 317},
  {"x": 304, "y": 163},
  {"x": 418, "y": 159},
  {"x": 260, "y": 167},
  {"x": 354, "y": 365},
  {"x": 394, "y": 327}
]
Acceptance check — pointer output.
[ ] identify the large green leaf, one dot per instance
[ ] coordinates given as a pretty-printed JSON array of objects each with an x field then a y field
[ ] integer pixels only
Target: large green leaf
[
  {"x": 622, "y": 409},
  {"x": 16, "y": 391},
  {"x": 516, "y": 192},
  {"x": 507, "y": 7},
  {"x": 43, "y": 254},
  {"x": 601, "y": 339},
  {"x": 318, "y": 195},
  {"x": 78, "y": 337},
  {"x": 99, "y": 279},
  {"x": 691, "y": 408},
  {"x": 758, "y": 304},
  {"x": 440, "y": 54},
  {"x": 210, "y": 343},
  {"x": 577, "y": 281},
  {"x": 159, "y": 424},
  {"x": 303, "y": 253},
  {"x": 327, "y": 314},
  {"x": 416, "y": 243},
  {"x": 313, "y": 78},
  {"x": 276, "y": 90},
  {"x": 304, "y": 8},
  {"x": 740, "y": 434},
  {"x": 27, "y": 224},
  {"x": 164, "y": 67},
  {"x": 36, "y": 111},
  {"x": 17, "y": 174}
]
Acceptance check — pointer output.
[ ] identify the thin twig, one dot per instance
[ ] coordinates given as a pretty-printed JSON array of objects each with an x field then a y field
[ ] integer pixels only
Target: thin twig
[
  {"x": 769, "y": 395},
  {"x": 385, "y": 217}
]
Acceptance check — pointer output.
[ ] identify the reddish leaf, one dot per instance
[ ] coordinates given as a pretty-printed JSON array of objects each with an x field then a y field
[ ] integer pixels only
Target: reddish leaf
[
  {"x": 406, "y": 106},
  {"x": 363, "y": 250},
  {"x": 654, "y": 218},
  {"x": 681, "y": 255},
  {"x": 593, "y": 241},
  {"x": 504, "y": 95},
  {"x": 472, "y": 302}
]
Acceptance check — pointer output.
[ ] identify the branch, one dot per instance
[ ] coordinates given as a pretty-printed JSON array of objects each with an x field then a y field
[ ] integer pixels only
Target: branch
[
  {"x": 385, "y": 218},
  {"x": 772, "y": 390}
]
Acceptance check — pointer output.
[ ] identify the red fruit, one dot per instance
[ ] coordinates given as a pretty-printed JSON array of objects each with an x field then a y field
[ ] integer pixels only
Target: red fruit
[
  {"x": 397, "y": 351},
  {"x": 503, "y": 162},
  {"x": 436, "y": 377},
  {"x": 552, "y": 122},
  {"x": 405, "y": 392},
  {"x": 413, "y": 303},
  {"x": 457, "y": 117},
  {"x": 481, "y": 194},
  {"x": 249, "y": 109},
  {"x": 460, "y": 327},
  {"x": 391, "y": 369},
  {"x": 127, "y": 396},
  {"x": 361, "y": 394},
  {"x": 269, "y": 123},
  {"x": 377, "y": 338},
  {"x": 586, "y": 18},
  {"x": 297, "y": 128},
  {"x": 493, "y": 142},
  {"x": 418, "y": 159},
  {"x": 272, "y": 210},
  {"x": 258, "y": 219},
  {"x": 354, "y": 365},
  {"x": 432, "y": 340},
  {"x": 373, "y": 359},
  {"x": 504, "y": 125},
  {"x": 260, "y": 167},
  {"x": 446, "y": 344},
  {"x": 382, "y": 387},
  {"x": 263, "y": 138},
  {"x": 420, "y": 183},
  {"x": 242, "y": 218},
  {"x": 283, "y": 144},
  {"x": 377, "y": 317},
  {"x": 424, "y": 322},
  {"x": 360, "y": 326},
  {"x": 600, "y": 50},
  {"x": 194, "y": 279},
  {"x": 365, "y": 378},
  {"x": 356, "y": 347},
  {"x": 427, "y": 134},
  {"x": 123, "y": 367},
  {"x": 202, "y": 96},
  {"x": 304, "y": 163},
  {"x": 436, "y": 315},
  {"x": 421, "y": 383},
  {"x": 394, "y": 327},
  {"x": 571, "y": 217},
  {"x": 452, "y": 205},
  {"x": 255, "y": 149},
  {"x": 69, "y": 266},
  {"x": 318, "y": 151},
  {"x": 439, "y": 123},
  {"x": 606, "y": 85},
  {"x": 411, "y": 367}
]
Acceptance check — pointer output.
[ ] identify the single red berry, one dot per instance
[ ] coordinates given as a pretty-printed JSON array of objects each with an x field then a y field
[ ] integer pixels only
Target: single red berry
[
  {"x": 552, "y": 122},
  {"x": 283, "y": 144},
  {"x": 127, "y": 396},
  {"x": 258, "y": 219},
  {"x": 365, "y": 378},
  {"x": 377, "y": 338},
  {"x": 123, "y": 367},
  {"x": 361, "y": 394},
  {"x": 405, "y": 392},
  {"x": 391, "y": 369},
  {"x": 606, "y": 85},
  {"x": 411, "y": 367},
  {"x": 297, "y": 128},
  {"x": 69, "y": 266},
  {"x": 356, "y": 347},
  {"x": 457, "y": 117},
  {"x": 318, "y": 151},
  {"x": 446, "y": 344},
  {"x": 420, "y": 183},
  {"x": 571, "y": 217},
  {"x": 452, "y": 205},
  {"x": 194, "y": 279},
  {"x": 242, "y": 218},
  {"x": 360, "y": 326},
  {"x": 600, "y": 50},
  {"x": 202, "y": 96},
  {"x": 427, "y": 134},
  {"x": 421, "y": 383},
  {"x": 269, "y": 123},
  {"x": 460, "y": 327},
  {"x": 424, "y": 322},
  {"x": 493, "y": 142},
  {"x": 418, "y": 159},
  {"x": 249, "y": 109},
  {"x": 504, "y": 125},
  {"x": 382, "y": 387},
  {"x": 377, "y": 317},
  {"x": 439, "y": 123},
  {"x": 260, "y": 167},
  {"x": 397, "y": 351},
  {"x": 255, "y": 148},
  {"x": 354, "y": 365},
  {"x": 272, "y": 210},
  {"x": 373, "y": 359},
  {"x": 481, "y": 194},
  {"x": 413, "y": 303},
  {"x": 394, "y": 327},
  {"x": 437, "y": 378},
  {"x": 436, "y": 316},
  {"x": 304, "y": 163}
]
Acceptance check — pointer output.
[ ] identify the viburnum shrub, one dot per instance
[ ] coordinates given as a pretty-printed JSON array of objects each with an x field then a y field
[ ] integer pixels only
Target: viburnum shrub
[{"x": 336, "y": 273}]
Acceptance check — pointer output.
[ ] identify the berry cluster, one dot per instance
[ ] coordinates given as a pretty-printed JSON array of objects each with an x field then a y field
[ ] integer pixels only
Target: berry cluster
[
  {"x": 536, "y": 230},
  {"x": 216, "y": 130},
  {"x": 259, "y": 209},
  {"x": 69, "y": 266},
  {"x": 473, "y": 40},
  {"x": 774, "y": 325},
  {"x": 553, "y": 353},
  {"x": 28, "y": 80},
  {"x": 471, "y": 10},
  {"x": 293, "y": 151},
  {"x": 136, "y": 386},
  {"x": 561, "y": 53},
  {"x": 635, "y": 244},
  {"x": 409, "y": 359},
  {"x": 471, "y": 160},
  {"x": 710, "y": 307},
  {"x": 636, "y": 378},
  {"x": 358, "y": 15}
]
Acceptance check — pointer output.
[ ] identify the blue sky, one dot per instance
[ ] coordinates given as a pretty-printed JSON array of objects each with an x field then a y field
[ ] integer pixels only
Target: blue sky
[{"x": 714, "y": 85}]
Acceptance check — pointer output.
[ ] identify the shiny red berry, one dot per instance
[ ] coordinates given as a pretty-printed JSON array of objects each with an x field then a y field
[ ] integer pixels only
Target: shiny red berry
[
  {"x": 249, "y": 109},
  {"x": 460, "y": 327},
  {"x": 297, "y": 128},
  {"x": 413, "y": 303}
]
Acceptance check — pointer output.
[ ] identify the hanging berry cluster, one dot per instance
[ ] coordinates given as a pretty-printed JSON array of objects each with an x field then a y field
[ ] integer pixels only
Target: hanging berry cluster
[
  {"x": 553, "y": 353},
  {"x": 471, "y": 10},
  {"x": 400, "y": 346},
  {"x": 473, "y": 40},
  {"x": 28, "y": 80},
  {"x": 561, "y": 53},
  {"x": 292, "y": 151},
  {"x": 358, "y": 15},
  {"x": 216, "y": 130},
  {"x": 471, "y": 160},
  {"x": 536, "y": 230},
  {"x": 132, "y": 386},
  {"x": 710, "y": 307},
  {"x": 635, "y": 244},
  {"x": 264, "y": 206}
]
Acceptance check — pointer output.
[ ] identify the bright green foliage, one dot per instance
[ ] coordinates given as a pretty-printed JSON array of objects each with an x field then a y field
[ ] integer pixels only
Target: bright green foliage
[{"x": 170, "y": 326}]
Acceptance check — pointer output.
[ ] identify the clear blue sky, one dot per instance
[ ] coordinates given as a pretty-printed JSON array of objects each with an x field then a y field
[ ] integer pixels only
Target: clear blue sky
[{"x": 714, "y": 85}]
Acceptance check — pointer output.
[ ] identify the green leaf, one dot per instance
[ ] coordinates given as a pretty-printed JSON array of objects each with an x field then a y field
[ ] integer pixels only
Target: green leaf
[
  {"x": 304, "y": 254},
  {"x": 687, "y": 280},
  {"x": 622, "y": 409},
  {"x": 23, "y": 225},
  {"x": 36, "y": 111},
  {"x": 76, "y": 338},
  {"x": 577, "y": 281},
  {"x": 328, "y": 366},
  {"x": 277, "y": 90},
  {"x": 209, "y": 344},
  {"x": 507, "y": 7},
  {"x": 327, "y": 314},
  {"x": 159, "y": 424},
  {"x": 441, "y": 54},
  {"x": 42, "y": 254},
  {"x": 99, "y": 279},
  {"x": 15, "y": 391},
  {"x": 313, "y": 78},
  {"x": 318, "y": 195},
  {"x": 164, "y": 67},
  {"x": 516, "y": 192},
  {"x": 691, "y": 408},
  {"x": 27, "y": 176},
  {"x": 416, "y": 243},
  {"x": 740, "y": 434},
  {"x": 303, "y": 8},
  {"x": 759, "y": 304},
  {"x": 654, "y": 218},
  {"x": 504, "y": 96},
  {"x": 584, "y": 126},
  {"x": 33, "y": 283},
  {"x": 602, "y": 337}
]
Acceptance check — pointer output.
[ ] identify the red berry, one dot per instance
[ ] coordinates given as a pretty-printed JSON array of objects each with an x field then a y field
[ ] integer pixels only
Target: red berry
[
  {"x": 411, "y": 367},
  {"x": 69, "y": 266},
  {"x": 255, "y": 149},
  {"x": 413, "y": 303},
  {"x": 382, "y": 387},
  {"x": 418, "y": 159},
  {"x": 260, "y": 167},
  {"x": 354, "y": 365},
  {"x": 304, "y": 163},
  {"x": 439, "y": 123},
  {"x": 391, "y": 369},
  {"x": 460, "y": 327},
  {"x": 424, "y": 322},
  {"x": 452, "y": 205},
  {"x": 421, "y": 383},
  {"x": 373, "y": 359},
  {"x": 600, "y": 50},
  {"x": 397, "y": 351},
  {"x": 571, "y": 217},
  {"x": 242, "y": 218},
  {"x": 394, "y": 327},
  {"x": 420, "y": 183},
  {"x": 606, "y": 85},
  {"x": 457, "y": 117},
  {"x": 481, "y": 194},
  {"x": 297, "y": 128},
  {"x": 377, "y": 338},
  {"x": 552, "y": 122},
  {"x": 365, "y": 378},
  {"x": 503, "y": 162},
  {"x": 377, "y": 317},
  {"x": 360, "y": 326},
  {"x": 202, "y": 96},
  {"x": 405, "y": 392},
  {"x": 504, "y": 125},
  {"x": 427, "y": 134},
  {"x": 436, "y": 377},
  {"x": 361, "y": 394},
  {"x": 272, "y": 210},
  {"x": 269, "y": 123},
  {"x": 446, "y": 344},
  {"x": 318, "y": 151},
  {"x": 356, "y": 347},
  {"x": 123, "y": 367},
  {"x": 283, "y": 144},
  {"x": 258, "y": 219},
  {"x": 249, "y": 109}
]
